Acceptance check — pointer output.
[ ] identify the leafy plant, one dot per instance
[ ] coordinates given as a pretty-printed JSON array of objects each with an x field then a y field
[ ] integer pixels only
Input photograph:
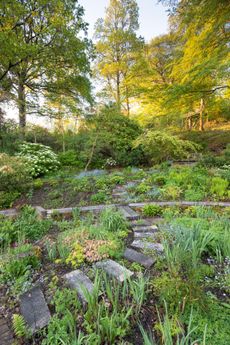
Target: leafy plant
[
  {"x": 112, "y": 220},
  {"x": 19, "y": 326},
  {"x": 152, "y": 210},
  {"x": 40, "y": 159}
]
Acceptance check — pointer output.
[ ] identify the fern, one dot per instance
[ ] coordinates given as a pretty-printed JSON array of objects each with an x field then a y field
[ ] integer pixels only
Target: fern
[{"x": 19, "y": 326}]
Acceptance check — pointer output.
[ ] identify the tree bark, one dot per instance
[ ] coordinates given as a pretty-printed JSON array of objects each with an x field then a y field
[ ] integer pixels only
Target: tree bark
[
  {"x": 118, "y": 90},
  {"x": 201, "y": 122},
  {"x": 22, "y": 105}
]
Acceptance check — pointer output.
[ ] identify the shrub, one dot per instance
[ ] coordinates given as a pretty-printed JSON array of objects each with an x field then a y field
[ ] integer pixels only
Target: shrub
[
  {"x": 7, "y": 199},
  {"x": 13, "y": 175},
  {"x": 152, "y": 210},
  {"x": 161, "y": 146},
  {"x": 99, "y": 198},
  {"x": 69, "y": 158},
  {"x": 218, "y": 186},
  {"x": 40, "y": 159}
]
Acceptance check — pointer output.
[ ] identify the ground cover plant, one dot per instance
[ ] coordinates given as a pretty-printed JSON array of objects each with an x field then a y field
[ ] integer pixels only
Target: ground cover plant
[
  {"x": 179, "y": 301},
  {"x": 98, "y": 243}
]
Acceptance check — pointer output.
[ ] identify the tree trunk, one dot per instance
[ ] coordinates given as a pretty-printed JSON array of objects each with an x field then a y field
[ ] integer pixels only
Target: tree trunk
[
  {"x": 22, "y": 105},
  {"x": 118, "y": 91},
  {"x": 201, "y": 121}
]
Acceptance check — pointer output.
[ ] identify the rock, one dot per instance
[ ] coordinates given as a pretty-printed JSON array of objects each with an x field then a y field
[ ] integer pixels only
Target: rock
[
  {"x": 152, "y": 228},
  {"x": 34, "y": 309},
  {"x": 113, "y": 269},
  {"x": 134, "y": 256},
  {"x": 147, "y": 245},
  {"x": 128, "y": 212},
  {"x": 139, "y": 222},
  {"x": 41, "y": 212},
  {"x": 80, "y": 282},
  {"x": 150, "y": 235}
]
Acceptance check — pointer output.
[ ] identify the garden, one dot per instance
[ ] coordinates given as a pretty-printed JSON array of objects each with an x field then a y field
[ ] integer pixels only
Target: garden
[{"x": 114, "y": 172}]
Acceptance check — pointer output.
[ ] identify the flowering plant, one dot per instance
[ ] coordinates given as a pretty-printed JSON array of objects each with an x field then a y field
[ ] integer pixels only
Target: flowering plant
[{"x": 40, "y": 159}]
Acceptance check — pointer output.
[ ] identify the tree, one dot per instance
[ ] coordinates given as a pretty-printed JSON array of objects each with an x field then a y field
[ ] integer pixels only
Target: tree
[
  {"x": 48, "y": 56},
  {"x": 201, "y": 69},
  {"x": 117, "y": 46}
]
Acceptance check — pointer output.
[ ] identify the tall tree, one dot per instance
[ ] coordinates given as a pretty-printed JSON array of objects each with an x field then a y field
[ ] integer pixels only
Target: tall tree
[
  {"x": 117, "y": 46},
  {"x": 201, "y": 70},
  {"x": 44, "y": 53}
]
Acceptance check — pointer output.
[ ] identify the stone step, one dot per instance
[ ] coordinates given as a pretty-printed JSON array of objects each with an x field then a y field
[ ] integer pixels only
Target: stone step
[
  {"x": 139, "y": 222},
  {"x": 134, "y": 256},
  {"x": 78, "y": 281},
  {"x": 34, "y": 309},
  {"x": 128, "y": 213},
  {"x": 152, "y": 228},
  {"x": 6, "y": 336},
  {"x": 150, "y": 235},
  {"x": 141, "y": 244},
  {"x": 113, "y": 269}
]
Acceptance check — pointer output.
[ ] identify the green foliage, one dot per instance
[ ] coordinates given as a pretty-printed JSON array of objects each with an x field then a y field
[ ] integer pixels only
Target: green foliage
[
  {"x": 215, "y": 317},
  {"x": 14, "y": 178},
  {"x": 99, "y": 198},
  {"x": 152, "y": 210},
  {"x": 112, "y": 220},
  {"x": 19, "y": 326},
  {"x": 219, "y": 186},
  {"x": 161, "y": 146},
  {"x": 69, "y": 158},
  {"x": 40, "y": 159},
  {"x": 7, "y": 199}
]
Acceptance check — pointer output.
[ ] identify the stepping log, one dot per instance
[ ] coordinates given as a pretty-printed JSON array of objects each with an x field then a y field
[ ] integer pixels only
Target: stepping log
[
  {"x": 80, "y": 282},
  {"x": 150, "y": 235},
  {"x": 134, "y": 256},
  {"x": 128, "y": 213},
  {"x": 6, "y": 336},
  {"x": 34, "y": 309},
  {"x": 152, "y": 228},
  {"x": 147, "y": 245},
  {"x": 113, "y": 269}
]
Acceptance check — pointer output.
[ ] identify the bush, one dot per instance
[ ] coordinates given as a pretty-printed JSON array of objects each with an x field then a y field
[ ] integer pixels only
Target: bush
[
  {"x": 160, "y": 146},
  {"x": 69, "y": 158},
  {"x": 13, "y": 175},
  {"x": 40, "y": 159},
  {"x": 152, "y": 210}
]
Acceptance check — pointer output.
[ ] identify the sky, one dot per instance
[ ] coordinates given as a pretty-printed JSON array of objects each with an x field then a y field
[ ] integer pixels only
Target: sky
[{"x": 153, "y": 16}]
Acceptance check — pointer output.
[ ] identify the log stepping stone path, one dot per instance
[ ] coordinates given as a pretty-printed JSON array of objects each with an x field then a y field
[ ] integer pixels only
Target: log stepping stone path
[
  {"x": 134, "y": 256},
  {"x": 128, "y": 213},
  {"x": 6, "y": 336},
  {"x": 115, "y": 270},
  {"x": 34, "y": 309},
  {"x": 78, "y": 281}
]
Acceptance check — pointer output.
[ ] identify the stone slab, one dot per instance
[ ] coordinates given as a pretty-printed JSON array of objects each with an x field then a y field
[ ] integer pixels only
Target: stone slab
[
  {"x": 140, "y": 235},
  {"x": 115, "y": 270},
  {"x": 11, "y": 212},
  {"x": 41, "y": 212},
  {"x": 129, "y": 213},
  {"x": 139, "y": 222},
  {"x": 80, "y": 282},
  {"x": 34, "y": 309},
  {"x": 140, "y": 244},
  {"x": 150, "y": 228},
  {"x": 134, "y": 256}
]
